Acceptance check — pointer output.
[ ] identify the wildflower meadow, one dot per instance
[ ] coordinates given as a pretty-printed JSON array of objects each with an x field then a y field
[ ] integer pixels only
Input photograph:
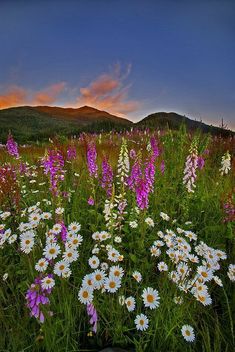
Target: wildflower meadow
[{"x": 119, "y": 239}]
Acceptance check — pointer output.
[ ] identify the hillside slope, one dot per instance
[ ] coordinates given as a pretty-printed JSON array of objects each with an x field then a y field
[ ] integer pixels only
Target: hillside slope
[
  {"x": 29, "y": 123},
  {"x": 173, "y": 120}
]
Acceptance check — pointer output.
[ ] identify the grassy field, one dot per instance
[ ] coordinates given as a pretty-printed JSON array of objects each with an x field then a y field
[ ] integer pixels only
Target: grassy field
[{"x": 110, "y": 205}]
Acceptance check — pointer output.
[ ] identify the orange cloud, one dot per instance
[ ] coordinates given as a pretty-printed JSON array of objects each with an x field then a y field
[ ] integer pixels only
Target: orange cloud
[
  {"x": 49, "y": 95},
  {"x": 18, "y": 96},
  {"x": 14, "y": 96},
  {"x": 108, "y": 92}
]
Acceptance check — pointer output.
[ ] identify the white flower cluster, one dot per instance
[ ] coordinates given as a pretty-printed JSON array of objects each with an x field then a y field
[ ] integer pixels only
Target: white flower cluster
[
  {"x": 123, "y": 166},
  {"x": 195, "y": 264},
  {"x": 191, "y": 166},
  {"x": 114, "y": 212},
  {"x": 55, "y": 246},
  {"x": 231, "y": 272},
  {"x": 106, "y": 277},
  {"x": 225, "y": 164}
]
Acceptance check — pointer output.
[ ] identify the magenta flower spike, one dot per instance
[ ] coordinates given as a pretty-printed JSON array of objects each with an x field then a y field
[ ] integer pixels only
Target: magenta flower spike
[
  {"x": 91, "y": 160},
  {"x": 12, "y": 146}
]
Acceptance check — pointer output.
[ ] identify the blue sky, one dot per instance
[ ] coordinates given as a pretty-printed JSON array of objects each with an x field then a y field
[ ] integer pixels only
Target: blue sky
[{"x": 130, "y": 57}]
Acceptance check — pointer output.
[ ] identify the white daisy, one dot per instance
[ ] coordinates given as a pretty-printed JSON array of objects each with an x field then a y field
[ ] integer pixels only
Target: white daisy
[
  {"x": 183, "y": 270},
  {"x": 95, "y": 250},
  {"x": 117, "y": 239},
  {"x": 12, "y": 239},
  {"x": 113, "y": 255},
  {"x": 158, "y": 243},
  {"x": 112, "y": 284},
  {"x": 204, "y": 273},
  {"x": 61, "y": 267},
  {"x": 75, "y": 240},
  {"x": 160, "y": 234},
  {"x": 51, "y": 251},
  {"x": 164, "y": 216},
  {"x": 150, "y": 298},
  {"x": 155, "y": 251},
  {"x": 5, "y": 276},
  {"x": 70, "y": 255},
  {"x": 85, "y": 295},
  {"x": 96, "y": 236},
  {"x": 149, "y": 222},
  {"x": 32, "y": 208},
  {"x": 231, "y": 272},
  {"x": 46, "y": 216},
  {"x": 27, "y": 241},
  {"x": 88, "y": 282},
  {"x": 188, "y": 333},
  {"x": 220, "y": 254},
  {"x": 98, "y": 277},
  {"x": 133, "y": 224},
  {"x": 34, "y": 217},
  {"x": 130, "y": 303},
  {"x": 41, "y": 265},
  {"x": 191, "y": 235},
  {"x": 116, "y": 271},
  {"x": 59, "y": 211},
  {"x": 94, "y": 262},
  {"x": 56, "y": 228},
  {"x": 137, "y": 276},
  {"x": 162, "y": 266},
  {"x": 204, "y": 298},
  {"x": 74, "y": 227},
  {"x": 104, "y": 266},
  {"x": 47, "y": 283},
  {"x": 5, "y": 215},
  {"x": 141, "y": 322},
  {"x": 103, "y": 235},
  {"x": 218, "y": 281},
  {"x": 199, "y": 288}
]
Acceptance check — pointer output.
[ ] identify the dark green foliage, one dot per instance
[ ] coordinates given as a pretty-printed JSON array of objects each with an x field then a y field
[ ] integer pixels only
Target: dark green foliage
[
  {"x": 173, "y": 121},
  {"x": 29, "y": 124}
]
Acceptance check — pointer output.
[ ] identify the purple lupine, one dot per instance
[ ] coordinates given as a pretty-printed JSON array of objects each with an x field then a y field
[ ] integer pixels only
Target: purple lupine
[
  {"x": 107, "y": 177},
  {"x": 200, "y": 162},
  {"x": 149, "y": 174},
  {"x": 91, "y": 160},
  {"x": 64, "y": 231},
  {"x": 229, "y": 210},
  {"x": 142, "y": 182},
  {"x": 154, "y": 147},
  {"x": 37, "y": 296},
  {"x": 162, "y": 167},
  {"x": 9, "y": 187},
  {"x": 132, "y": 154},
  {"x": 91, "y": 200},
  {"x": 142, "y": 195},
  {"x": 135, "y": 175},
  {"x": 22, "y": 168},
  {"x": 53, "y": 165},
  {"x": 12, "y": 146},
  {"x": 71, "y": 152},
  {"x": 65, "y": 194},
  {"x": 91, "y": 311}
]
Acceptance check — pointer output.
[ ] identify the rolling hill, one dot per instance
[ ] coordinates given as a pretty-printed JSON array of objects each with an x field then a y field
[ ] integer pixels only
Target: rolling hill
[
  {"x": 29, "y": 123},
  {"x": 173, "y": 121}
]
